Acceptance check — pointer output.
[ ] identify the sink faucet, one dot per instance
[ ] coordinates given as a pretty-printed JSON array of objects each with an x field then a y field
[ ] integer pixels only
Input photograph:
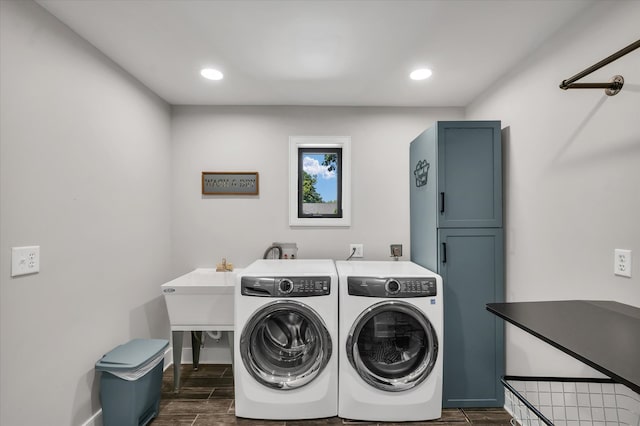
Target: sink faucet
[{"x": 224, "y": 266}]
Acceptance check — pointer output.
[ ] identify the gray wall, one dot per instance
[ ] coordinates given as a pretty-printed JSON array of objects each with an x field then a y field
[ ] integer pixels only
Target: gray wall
[
  {"x": 205, "y": 229},
  {"x": 98, "y": 172},
  {"x": 572, "y": 175},
  {"x": 85, "y": 174}
]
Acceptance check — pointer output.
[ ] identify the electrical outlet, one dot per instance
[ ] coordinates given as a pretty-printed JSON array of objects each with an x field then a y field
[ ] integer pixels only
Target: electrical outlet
[
  {"x": 396, "y": 250},
  {"x": 622, "y": 262},
  {"x": 359, "y": 250},
  {"x": 25, "y": 260}
]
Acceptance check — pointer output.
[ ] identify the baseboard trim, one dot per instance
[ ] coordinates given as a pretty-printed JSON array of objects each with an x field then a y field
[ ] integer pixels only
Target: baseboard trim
[
  {"x": 95, "y": 420},
  {"x": 208, "y": 355},
  {"x": 168, "y": 358}
]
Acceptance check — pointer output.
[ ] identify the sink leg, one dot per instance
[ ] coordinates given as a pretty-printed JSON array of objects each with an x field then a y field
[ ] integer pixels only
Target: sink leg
[
  {"x": 177, "y": 337},
  {"x": 196, "y": 339},
  {"x": 231, "y": 347}
]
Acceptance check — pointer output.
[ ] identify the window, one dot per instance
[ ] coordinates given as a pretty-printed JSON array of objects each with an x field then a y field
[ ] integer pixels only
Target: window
[{"x": 319, "y": 181}]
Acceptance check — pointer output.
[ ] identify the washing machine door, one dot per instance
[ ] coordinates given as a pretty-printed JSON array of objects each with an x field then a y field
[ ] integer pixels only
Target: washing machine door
[
  {"x": 285, "y": 345},
  {"x": 393, "y": 346}
]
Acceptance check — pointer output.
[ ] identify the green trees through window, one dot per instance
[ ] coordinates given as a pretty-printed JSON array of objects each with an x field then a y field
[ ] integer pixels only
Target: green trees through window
[{"x": 309, "y": 193}]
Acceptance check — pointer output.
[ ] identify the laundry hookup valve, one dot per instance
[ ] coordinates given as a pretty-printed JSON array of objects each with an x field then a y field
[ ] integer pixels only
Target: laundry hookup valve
[{"x": 396, "y": 251}]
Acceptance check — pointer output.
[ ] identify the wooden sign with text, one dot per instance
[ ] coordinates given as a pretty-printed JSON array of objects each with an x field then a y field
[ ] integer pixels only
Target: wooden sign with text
[{"x": 230, "y": 183}]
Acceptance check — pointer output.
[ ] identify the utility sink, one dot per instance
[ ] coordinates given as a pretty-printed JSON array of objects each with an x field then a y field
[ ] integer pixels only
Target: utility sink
[
  {"x": 198, "y": 301},
  {"x": 201, "y": 300}
]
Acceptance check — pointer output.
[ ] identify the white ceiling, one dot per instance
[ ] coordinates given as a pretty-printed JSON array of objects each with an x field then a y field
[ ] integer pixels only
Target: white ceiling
[{"x": 317, "y": 52}]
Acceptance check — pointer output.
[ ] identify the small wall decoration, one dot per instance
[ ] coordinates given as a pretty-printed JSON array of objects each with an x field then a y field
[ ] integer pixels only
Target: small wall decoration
[
  {"x": 230, "y": 183},
  {"x": 421, "y": 173}
]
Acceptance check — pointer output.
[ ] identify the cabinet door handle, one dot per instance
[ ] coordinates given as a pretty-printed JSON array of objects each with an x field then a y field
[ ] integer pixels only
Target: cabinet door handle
[
  {"x": 444, "y": 253},
  {"x": 442, "y": 202}
]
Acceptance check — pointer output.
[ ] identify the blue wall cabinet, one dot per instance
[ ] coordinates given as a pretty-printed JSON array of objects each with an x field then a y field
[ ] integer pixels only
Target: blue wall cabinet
[
  {"x": 469, "y": 174},
  {"x": 456, "y": 230},
  {"x": 473, "y": 275}
]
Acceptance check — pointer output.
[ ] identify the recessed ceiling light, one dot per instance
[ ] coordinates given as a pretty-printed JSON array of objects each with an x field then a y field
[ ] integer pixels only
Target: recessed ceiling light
[
  {"x": 211, "y": 74},
  {"x": 420, "y": 74}
]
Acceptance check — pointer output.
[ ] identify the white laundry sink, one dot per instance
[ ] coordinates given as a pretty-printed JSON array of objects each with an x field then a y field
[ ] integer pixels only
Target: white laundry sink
[{"x": 201, "y": 300}]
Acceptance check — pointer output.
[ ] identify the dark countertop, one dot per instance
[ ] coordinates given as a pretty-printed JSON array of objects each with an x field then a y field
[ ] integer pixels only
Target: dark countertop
[{"x": 604, "y": 335}]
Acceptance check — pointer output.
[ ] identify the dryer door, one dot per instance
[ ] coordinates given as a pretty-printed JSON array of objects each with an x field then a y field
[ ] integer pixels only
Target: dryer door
[
  {"x": 285, "y": 345},
  {"x": 393, "y": 346}
]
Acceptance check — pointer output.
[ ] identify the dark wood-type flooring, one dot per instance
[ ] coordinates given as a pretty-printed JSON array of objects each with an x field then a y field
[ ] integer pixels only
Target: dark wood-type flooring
[{"x": 206, "y": 398}]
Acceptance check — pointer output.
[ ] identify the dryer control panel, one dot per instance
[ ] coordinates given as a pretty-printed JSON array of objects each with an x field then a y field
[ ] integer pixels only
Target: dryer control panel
[
  {"x": 285, "y": 286},
  {"x": 392, "y": 287}
]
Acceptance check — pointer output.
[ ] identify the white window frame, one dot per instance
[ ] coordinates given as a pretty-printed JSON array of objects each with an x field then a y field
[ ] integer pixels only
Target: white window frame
[{"x": 297, "y": 142}]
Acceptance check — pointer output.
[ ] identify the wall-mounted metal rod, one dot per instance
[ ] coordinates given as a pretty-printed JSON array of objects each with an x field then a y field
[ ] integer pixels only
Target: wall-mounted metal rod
[
  {"x": 590, "y": 85},
  {"x": 613, "y": 86}
]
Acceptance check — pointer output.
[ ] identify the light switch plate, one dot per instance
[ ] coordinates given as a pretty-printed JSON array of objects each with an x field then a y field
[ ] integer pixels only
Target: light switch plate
[{"x": 25, "y": 260}]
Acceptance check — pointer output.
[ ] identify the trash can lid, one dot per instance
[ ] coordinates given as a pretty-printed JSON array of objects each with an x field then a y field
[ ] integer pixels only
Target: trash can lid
[{"x": 132, "y": 355}]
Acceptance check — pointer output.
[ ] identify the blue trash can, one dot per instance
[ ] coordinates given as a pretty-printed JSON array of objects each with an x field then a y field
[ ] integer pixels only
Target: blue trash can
[{"x": 131, "y": 382}]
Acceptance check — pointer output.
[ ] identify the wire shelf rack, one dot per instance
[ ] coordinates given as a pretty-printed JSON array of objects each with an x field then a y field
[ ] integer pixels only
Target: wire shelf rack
[{"x": 561, "y": 401}]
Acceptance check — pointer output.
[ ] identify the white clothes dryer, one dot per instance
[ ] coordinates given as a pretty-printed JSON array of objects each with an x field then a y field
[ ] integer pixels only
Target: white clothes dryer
[
  {"x": 391, "y": 328},
  {"x": 286, "y": 319}
]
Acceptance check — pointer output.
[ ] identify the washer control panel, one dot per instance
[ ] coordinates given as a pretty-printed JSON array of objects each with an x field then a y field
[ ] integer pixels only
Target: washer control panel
[
  {"x": 392, "y": 287},
  {"x": 285, "y": 286}
]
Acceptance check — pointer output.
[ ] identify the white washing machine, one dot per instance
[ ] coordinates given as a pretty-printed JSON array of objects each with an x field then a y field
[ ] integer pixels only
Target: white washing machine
[
  {"x": 286, "y": 334},
  {"x": 390, "y": 350}
]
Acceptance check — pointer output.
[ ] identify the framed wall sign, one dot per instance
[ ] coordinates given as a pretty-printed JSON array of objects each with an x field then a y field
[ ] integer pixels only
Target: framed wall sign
[{"x": 230, "y": 183}]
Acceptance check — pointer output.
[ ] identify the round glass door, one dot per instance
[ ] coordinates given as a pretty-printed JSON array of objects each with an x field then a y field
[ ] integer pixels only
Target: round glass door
[
  {"x": 285, "y": 345},
  {"x": 393, "y": 346}
]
